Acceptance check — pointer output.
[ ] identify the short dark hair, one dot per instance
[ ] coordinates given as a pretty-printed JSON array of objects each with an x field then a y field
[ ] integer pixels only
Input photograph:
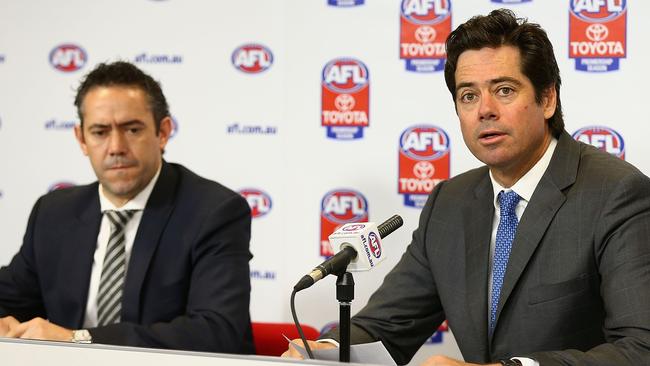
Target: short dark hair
[
  {"x": 122, "y": 73},
  {"x": 502, "y": 28}
]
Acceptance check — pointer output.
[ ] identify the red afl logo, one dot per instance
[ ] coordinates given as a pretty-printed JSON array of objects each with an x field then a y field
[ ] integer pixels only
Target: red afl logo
[
  {"x": 375, "y": 247},
  {"x": 598, "y": 10},
  {"x": 60, "y": 185},
  {"x": 68, "y": 57},
  {"x": 345, "y": 75},
  {"x": 426, "y": 11},
  {"x": 603, "y": 138},
  {"x": 424, "y": 142},
  {"x": 259, "y": 201},
  {"x": 252, "y": 58},
  {"x": 353, "y": 227},
  {"x": 343, "y": 206}
]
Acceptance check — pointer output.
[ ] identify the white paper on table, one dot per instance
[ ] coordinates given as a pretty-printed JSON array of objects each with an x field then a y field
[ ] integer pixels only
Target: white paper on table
[{"x": 374, "y": 353}]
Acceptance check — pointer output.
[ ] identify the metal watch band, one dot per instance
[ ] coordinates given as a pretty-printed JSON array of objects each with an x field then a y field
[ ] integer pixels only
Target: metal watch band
[{"x": 81, "y": 336}]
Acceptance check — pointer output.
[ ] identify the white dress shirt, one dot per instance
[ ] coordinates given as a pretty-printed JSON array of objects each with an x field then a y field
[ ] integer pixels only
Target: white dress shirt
[
  {"x": 524, "y": 187},
  {"x": 138, "y": 204}
]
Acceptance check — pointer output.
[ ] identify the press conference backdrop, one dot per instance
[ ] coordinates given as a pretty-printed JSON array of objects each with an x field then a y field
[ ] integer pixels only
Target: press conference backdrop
[{"x": 318, "y": 111}]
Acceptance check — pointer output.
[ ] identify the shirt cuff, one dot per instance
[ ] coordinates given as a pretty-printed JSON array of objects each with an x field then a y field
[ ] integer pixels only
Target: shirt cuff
[{"x": 333, "y": 341}]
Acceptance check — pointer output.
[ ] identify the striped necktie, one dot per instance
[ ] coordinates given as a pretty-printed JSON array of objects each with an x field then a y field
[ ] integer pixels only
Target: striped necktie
[
  {"x": 111, "y": 284},
  {"x": 505, "y": 235}
]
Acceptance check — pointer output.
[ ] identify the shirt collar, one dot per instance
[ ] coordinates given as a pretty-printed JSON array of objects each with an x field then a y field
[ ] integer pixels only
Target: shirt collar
[
  {"x": 136, "y": 203},
  {"x": 526, "y": 185}
]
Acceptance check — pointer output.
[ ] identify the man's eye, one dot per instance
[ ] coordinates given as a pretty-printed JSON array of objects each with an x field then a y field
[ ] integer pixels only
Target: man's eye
[
  {"x": 134, "y": 130},
  {"x": 98, "y": 133},
  {"x": 467, "y": 98},
  {"x": 505, "y": 91}
]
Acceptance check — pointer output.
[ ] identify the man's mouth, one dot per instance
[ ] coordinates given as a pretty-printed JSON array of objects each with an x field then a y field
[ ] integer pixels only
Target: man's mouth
[
  {"x": 490, "y": 136},
  {"x": 120, "y": 167}
]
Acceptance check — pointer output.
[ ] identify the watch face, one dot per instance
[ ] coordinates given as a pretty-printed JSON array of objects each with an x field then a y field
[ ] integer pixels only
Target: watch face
[{"x": 81, "y": 336}]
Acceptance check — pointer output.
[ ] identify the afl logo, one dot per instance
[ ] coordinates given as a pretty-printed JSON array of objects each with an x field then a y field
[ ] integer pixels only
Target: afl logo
[
  {"x": 426, "y": 11},
  {"x": 345, "y": 75},
  {"x": 60, "y": 185},
  {"x": 603, "y": 138},
  {"x": 68, "y": 57},
  {"x": 353, "y": 227},
  {"x": 375, "y": 247},
  {"x": 252, "y": 58},
  {"x": 259, "y": 201},
  {"x": 424, "y": 142},
  {"x": 598, "y": 10},
  {"x": 343, "y": 206}
]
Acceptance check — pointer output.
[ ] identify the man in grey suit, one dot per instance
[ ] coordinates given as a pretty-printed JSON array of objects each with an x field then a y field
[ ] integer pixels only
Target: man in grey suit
[{"x": 541, "y": 257}]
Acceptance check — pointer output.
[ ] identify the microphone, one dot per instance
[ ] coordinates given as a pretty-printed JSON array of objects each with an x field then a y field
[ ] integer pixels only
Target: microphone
[{"x": 358, "y": 246}]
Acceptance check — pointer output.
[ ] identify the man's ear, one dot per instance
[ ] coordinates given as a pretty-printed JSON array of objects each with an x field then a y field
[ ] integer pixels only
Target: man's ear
[
  {"x": 549, "y": 101},
  {"x": 164, "y": 132},
  {"x": 79, "y": 134}
]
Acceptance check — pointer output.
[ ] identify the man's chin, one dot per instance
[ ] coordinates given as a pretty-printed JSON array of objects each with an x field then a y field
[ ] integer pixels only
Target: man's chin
[{"x": 121, "y": 190}]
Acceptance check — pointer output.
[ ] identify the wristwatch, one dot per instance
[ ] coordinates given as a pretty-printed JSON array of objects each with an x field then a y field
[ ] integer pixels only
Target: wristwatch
[
  {"x": 81, "y": 336},
  {"x": 510, "y": 362}
]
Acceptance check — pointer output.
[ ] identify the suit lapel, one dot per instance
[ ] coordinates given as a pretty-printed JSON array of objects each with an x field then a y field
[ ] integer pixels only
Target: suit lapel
[
  {"x": 478, "y": 216},
  {"x": 77, "y": 256},
  {"x": 544, "y": 204},
  {"x": 154, "y": 219}
]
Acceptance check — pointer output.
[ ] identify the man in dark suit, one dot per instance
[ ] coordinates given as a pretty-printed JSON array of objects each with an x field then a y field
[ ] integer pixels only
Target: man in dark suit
[
  {"x": 151, "y": 255},
  {"x": 541, "y": 257}
]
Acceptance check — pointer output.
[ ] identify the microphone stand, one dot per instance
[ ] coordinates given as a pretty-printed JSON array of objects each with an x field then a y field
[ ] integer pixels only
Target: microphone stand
[{"x": 344, "y": 294}]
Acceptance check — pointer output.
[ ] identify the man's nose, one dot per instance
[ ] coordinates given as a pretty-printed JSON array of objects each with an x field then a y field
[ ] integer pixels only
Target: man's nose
[
  {"x": 488, "y": 108},
  {"x": 117, "y": 143}
]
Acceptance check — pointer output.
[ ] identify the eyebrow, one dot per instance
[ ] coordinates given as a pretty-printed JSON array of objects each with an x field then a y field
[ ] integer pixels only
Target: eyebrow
[
  {"x": 121, "y": 124},
  {"x": 131, "y": 123},
  {"x": 491, "y": 82}
]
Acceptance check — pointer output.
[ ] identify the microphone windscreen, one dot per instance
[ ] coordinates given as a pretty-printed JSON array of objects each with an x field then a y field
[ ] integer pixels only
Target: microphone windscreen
[{"x": 390, "y": 225}]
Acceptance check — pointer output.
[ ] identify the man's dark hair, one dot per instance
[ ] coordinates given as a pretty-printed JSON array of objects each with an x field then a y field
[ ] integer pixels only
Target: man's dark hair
[
  {"x": 121, "y": 73},
  {"x": 502, "y": 28}
]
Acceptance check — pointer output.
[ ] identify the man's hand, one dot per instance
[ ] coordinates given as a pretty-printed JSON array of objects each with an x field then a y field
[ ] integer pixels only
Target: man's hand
[
  {"x": 446, "y": 361},
  {"x": 6, "y": 324},
  {"x": 293, "y": 353},
  {"x": 39, "y": 328}
]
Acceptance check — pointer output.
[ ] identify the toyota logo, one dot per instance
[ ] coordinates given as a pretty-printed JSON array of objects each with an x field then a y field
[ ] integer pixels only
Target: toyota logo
[
  {"x": 423, "y": 170},
  {"x": 597, "y": 32},
  {"x": 425, "y": 34},
  {"x": 344, "y": 102}
]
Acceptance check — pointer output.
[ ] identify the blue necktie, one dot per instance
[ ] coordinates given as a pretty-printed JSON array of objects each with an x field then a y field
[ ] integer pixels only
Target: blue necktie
[{"x": 503, "y": 243}]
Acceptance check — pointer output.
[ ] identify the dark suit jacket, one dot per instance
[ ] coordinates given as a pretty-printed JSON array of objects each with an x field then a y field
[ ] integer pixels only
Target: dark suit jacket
[
  {"x": 187, "y": 286},
  {"x": 577, "y": 286}
]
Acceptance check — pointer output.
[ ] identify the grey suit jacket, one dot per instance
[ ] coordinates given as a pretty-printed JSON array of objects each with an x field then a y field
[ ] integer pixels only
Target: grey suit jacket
[{"x": 577, "y": 287}]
